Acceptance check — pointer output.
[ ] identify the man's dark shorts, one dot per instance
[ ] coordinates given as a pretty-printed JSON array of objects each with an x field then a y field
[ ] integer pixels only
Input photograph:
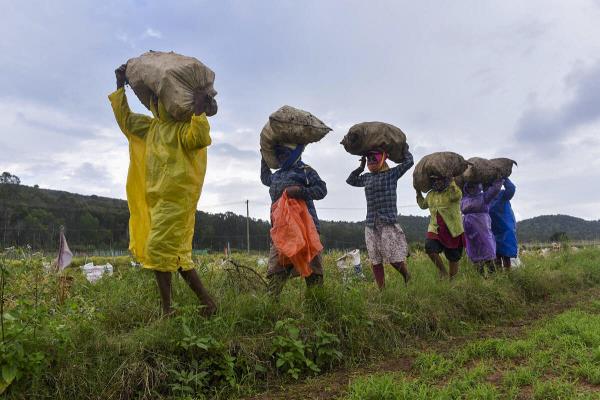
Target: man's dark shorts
[{"x": 435, "y": 246}]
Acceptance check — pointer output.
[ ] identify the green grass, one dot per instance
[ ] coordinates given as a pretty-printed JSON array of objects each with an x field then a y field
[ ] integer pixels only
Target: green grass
[
  {"x": 108, "y": 341},
  {"x": 558, "y": 359}
]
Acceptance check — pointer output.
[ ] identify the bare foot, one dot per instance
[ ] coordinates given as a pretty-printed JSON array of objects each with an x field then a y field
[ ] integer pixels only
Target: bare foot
[
  {"x": 406, "y": 278},
  {"x": 208, "y": 310}
]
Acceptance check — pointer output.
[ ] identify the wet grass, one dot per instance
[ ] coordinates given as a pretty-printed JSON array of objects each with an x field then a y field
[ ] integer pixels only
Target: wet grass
[
  {"x": 107, "y": 340},
  {"x": 557, "y": 359}
]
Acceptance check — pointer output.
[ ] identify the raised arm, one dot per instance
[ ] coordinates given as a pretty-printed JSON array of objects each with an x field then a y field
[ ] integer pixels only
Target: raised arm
[
  {"x": 316, "y": 188},
  {"x": 509, "y": 191},
  {"x": 197, "y": 135},
  {"x": 130, "y": 123},
  {"x": 355, "y": 178},
  {"x": 490, "y": 193},
  {"x": 421, "y": 201},
  {"x": 404, "y": 166},
  {"x": 454, "y": 192},
  {"x": 265, "y": 173}
]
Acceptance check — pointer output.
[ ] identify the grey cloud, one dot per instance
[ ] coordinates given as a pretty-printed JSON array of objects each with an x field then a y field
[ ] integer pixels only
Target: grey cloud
[
  {"x": 51, "y": 127},
  {"x": 548, "y": 126},
  {"x": 87, "y": 172},
  {"x": 228, "y": 150},
  {"x": 457, "y": 82}
]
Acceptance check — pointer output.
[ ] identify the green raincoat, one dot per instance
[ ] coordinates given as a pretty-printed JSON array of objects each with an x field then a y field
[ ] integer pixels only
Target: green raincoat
[{"x": 447, "y": 203}]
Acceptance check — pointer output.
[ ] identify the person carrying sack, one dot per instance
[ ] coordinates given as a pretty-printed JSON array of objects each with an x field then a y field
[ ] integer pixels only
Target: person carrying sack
[
  {"x": 445, "y": 233},
  {"x": 504, "y": 226},
  {"x": 166, "y": 172},
  {"x": 384, "y": 237},
  {"x": 479, "y": 239},
  {"x": 299, "y": 181}
]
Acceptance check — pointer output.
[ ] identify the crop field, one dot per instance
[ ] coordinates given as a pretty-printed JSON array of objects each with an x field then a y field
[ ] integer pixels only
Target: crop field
[{"x": 533, "y": 332}]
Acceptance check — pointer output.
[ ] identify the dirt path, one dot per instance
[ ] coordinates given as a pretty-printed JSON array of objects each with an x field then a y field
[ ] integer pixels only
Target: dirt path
[{"x": 334, "y": 384}]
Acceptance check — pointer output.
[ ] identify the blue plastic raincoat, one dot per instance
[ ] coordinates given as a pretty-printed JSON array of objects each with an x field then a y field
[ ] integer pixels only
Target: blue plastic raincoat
[
  {"x": 504, "y": 224},
  {"x": 166, "y": 172}
]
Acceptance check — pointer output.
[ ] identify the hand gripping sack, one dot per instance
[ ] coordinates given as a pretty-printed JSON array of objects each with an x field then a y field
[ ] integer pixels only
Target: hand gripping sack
[
  {"x": 172, "y": 77},
  {"x": 294, "y": 234},
  {"x": 445, "y": 163},
  {"x": 369, "y": 136},
  {"x": 289, "y": 125}
]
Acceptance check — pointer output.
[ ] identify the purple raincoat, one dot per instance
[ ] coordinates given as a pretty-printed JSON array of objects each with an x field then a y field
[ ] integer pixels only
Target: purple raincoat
[{"x": 480, "y": 241}]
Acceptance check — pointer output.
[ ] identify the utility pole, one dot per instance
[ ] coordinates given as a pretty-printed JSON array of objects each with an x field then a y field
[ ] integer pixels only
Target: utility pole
[{"x": 248, "y": 225}]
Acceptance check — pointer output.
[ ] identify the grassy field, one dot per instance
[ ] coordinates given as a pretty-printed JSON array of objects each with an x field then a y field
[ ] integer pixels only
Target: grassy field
[
  {"x": 558, "y": 359},
  {"x": 107, "y": 340}
]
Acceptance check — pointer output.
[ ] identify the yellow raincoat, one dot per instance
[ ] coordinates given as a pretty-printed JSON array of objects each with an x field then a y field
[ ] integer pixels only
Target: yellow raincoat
[{"x": 166, "y": 172}]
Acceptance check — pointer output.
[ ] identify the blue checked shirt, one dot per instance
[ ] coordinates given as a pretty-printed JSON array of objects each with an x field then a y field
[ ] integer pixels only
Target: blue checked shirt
[
  {"x": 300, "y": 174},
  {"x": 380, "y": 189}
]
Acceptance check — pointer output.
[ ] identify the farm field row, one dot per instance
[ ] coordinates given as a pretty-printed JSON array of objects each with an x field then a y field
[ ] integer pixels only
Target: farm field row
[{"x": 107, "y": 340}]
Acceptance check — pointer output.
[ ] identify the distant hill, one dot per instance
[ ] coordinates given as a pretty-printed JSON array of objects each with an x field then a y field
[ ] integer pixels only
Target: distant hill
[
  {"x": 543, "y": 227},
  {"x": 30, "y": 215}
]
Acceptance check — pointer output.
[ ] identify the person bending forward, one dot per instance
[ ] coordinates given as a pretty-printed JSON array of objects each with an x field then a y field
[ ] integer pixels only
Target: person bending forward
[
  {"x": 302, "y": 182},
  {"x": 445, "y": 231}
]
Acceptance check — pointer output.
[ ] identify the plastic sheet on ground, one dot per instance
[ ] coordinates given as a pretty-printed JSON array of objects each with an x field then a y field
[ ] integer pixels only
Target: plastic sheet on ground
[
  {"x": 94, "y": 272},
  {"x": 350, "y": 260}
]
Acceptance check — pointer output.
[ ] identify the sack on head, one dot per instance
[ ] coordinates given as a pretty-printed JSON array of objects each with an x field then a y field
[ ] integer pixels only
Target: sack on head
[
  {"x": 504, "y": 165},
  {"x": 289, "y": 125},
  {"x": 369, "y": 136},
  {"x": 170, "y": 76},
  {"x": 481, "y": 170},
  {"x": 445, "y": 163}
]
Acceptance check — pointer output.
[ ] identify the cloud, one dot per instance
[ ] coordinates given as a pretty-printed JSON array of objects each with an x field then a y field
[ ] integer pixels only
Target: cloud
[
  {"x": 88, "y": 172},
  {"x": 547, "y": 126},
  {"x": 231, "y": 151},
  {"x": 152, "y": 33},
  {"x": 459, "y": 82}
]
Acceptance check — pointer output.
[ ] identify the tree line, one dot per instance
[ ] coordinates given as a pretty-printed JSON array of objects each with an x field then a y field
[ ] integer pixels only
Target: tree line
[{"x": 33, "y": 216}]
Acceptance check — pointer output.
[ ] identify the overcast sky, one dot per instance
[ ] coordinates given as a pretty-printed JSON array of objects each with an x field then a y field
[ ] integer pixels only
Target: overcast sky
[{"x": 517, "y": 79}]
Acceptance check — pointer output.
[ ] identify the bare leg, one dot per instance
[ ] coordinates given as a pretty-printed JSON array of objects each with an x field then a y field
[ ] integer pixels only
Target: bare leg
[
  {"x": 453, "y": 268},
  {"x": 314, "y": 280},
  {"x": 401, "y": 267},
  {"x": 506, "y": 263},
  {"x": 163, "y": 279},
  {"x": 277, "y": 282},
  {"x": 491, "y": 266},
  {"x": 437, "y": 261},
  {"x": 193, "y": 281},
  {"x": 379, "y": 275},
  {"x": 499, "y": 263},
  {"x": 481, "y": 267}
]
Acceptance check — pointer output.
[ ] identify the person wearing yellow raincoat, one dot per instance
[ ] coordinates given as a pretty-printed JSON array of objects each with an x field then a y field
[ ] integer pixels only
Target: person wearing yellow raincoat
[{"x": 166, "y": 172}]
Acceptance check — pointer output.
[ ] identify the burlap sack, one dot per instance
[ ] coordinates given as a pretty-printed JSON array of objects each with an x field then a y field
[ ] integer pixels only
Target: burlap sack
[
  {"x": 445, "y": 163},
  {"x": 172, "y": 77},
  {"x": 369, "y": 136},
  {"x": 481, "y": 170},
  {"x": 289, "y": 125},
  {"x": 504, "y": 165}
]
